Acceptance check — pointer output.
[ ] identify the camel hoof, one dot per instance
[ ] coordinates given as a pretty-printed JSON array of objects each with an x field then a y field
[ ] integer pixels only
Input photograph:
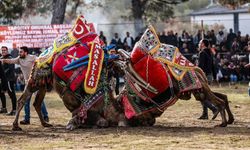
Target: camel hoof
[
  {"x": 151, "y": 122},
  {"x": 221, "y": 125},
  {"x": 122, "y": 124},
  {"x": 215, "y": 115},
  {"x": 71, "y": 127},
  {"x": 47, "y": 125},
  {"x": 230, "y": 121},
  {"x": 102, "y": 123},
  {"x": 16, "y": 128}
]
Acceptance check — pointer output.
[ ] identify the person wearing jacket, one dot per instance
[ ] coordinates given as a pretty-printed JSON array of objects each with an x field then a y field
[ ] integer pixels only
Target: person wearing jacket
[
  {"x": 9, "y": 70},
  {"x": 3, "y": 87},
  {"x": 206, "y": 64}
]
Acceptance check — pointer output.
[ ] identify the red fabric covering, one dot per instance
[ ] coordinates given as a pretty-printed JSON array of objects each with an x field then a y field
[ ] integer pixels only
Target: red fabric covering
[
  {"x": 76, "y": 51},
  {"x": 128, "y": 108},
  {"x": 64, "y": 59},
  {"x": 137, "y": 54},
  {"x": 151, "y": 70},
  {"x": 88, "y": 38}
]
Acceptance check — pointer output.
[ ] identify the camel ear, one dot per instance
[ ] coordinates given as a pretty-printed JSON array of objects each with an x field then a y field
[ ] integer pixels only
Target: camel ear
[{"x": 150, "y": 41}]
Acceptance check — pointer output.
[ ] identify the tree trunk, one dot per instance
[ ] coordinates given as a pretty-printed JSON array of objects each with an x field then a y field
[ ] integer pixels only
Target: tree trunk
[
  {"x": 139, "y": 26},
  {"x": 59, "y": 7},
  {"x": 138, "y": 11}
]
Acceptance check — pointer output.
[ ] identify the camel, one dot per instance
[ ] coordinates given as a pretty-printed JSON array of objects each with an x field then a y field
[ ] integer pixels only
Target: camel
[
  {"x": 100, "y": 114},
  {"x": 148, "y": 64}
]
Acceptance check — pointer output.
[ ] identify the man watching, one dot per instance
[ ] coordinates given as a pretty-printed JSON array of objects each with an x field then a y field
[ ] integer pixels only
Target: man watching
[
  {"x": 206, "y": 64},
  {"x": 26, "y": 62},
  {"x": 9, "y": 70}
]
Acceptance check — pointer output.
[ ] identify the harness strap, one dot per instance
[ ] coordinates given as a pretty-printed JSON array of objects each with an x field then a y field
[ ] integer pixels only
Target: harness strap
[{"x": 138, "y": 91}]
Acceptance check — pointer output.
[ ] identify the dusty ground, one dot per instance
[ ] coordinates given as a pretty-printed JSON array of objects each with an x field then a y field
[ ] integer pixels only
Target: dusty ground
[{"x": 177, "y": 128}]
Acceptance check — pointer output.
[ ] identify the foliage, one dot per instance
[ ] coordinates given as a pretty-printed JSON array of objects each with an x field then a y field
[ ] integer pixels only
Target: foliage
[
  {"x": 183, "y": 9},
  {"x": 233, "y": 3},
  {"x": 34, "y": 7},
  {"x": 10, "y": 10},
  {"x": 154, "y": 10}
]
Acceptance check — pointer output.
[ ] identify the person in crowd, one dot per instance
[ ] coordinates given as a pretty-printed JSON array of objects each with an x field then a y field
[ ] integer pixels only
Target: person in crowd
[
  {"x": 171, "y": 38},
  {"x": 116, "y": 40},
  {"x": 26, "y": 62},
  {"x": 248, "y": 50},
  {"x": 209, "y": 37},
  {"x": 163, "y": 37},
  {"x": 197, "y": 38},
  {"x": 186, "y": 52},
  {"x": 235, "y": 47},
  {"x": 103, "y": 38},
  {"x": 244, "y": 42},
  {"x": 205, "y": 62},
  {"x": 186, "y": 38},
  {"x": 238, "y": 36},
  {"x": 9, "y": 70},
  {"x": 232, "y": 72},
  {"x": 220, "y": 38},
  {"x": 129, "y": 41},
  {"x": 20, "y": 82},
  {"x": 230, "y": 38},
  {"x": 138, "y": 37},
  {"x": 213, "y": 36},
  {"x": 3, "y": 87}
]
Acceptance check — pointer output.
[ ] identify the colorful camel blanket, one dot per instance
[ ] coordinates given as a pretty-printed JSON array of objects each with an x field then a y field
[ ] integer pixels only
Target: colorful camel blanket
[
  {"x": 80, "y": 63},
  {"x": 77, "y": 57},
  {"x": 78, "y": 33}
]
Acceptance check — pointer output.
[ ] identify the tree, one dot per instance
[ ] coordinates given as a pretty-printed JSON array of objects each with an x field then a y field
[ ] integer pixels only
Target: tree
[
  {"x": 10, "y": 10},
  {"x": 233, "y": 3},
  {"x": 58, "y": 14},
  {"x": 152, "y": 10}
]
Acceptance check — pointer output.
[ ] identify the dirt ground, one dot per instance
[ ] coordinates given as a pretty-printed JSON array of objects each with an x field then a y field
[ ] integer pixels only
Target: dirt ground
[{"x": 177, "y": 128}]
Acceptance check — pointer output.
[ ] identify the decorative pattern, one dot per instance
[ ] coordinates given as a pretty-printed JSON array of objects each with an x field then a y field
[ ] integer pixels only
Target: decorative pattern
[
  {"x": 81, "y": 30},
  {"x": 45, "y": 57},
  {"x": 166, "y": 51},
  {"x": 175, "y": 61},
  {"x": 150, "y": 41},
  {"x": 189, "y": 82}
]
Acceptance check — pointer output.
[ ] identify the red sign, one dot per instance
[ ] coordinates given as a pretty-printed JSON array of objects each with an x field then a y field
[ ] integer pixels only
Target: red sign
[{"x": 32, "y": 36}]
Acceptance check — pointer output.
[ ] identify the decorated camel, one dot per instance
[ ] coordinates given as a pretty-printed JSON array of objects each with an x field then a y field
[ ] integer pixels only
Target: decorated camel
[
  {"x": 76, "y": 66},
  {"x": 79, "y": 69},
  {"x": 173, "y": 77}
]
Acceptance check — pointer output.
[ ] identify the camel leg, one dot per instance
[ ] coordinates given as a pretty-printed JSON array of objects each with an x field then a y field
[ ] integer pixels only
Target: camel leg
[
  {"x": 224, "y": 120},
  {"x": 37, "y": 104},
  {"x": 230, "y": 115},
  {"x": 220, "y": 103},
  {"x": 208, "y": 95},
  {"x": 20, "y": 103}
]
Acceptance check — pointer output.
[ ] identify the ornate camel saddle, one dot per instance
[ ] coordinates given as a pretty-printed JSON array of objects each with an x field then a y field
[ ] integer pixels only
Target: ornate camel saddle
[
  {"x": 158, "y": 64},
  {"x": 77, "y": 57}
]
